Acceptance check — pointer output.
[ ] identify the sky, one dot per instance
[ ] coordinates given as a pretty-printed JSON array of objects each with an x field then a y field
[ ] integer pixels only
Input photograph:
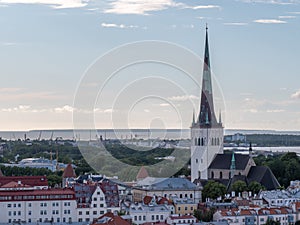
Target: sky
[{"x": 48, "y": 49}]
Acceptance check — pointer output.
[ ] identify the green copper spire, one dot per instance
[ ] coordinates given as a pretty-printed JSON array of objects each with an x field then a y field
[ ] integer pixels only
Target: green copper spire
[{"x": 232, "y": 166}]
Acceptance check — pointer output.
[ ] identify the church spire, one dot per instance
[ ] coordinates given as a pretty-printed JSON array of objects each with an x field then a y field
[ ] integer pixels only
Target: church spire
[
  {"x": 207, "y": 115},
  {"x": 232, "y": 166}
]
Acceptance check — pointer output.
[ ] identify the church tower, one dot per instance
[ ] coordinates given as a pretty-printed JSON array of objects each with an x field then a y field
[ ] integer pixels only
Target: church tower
[{"x": 206, "y": 132}]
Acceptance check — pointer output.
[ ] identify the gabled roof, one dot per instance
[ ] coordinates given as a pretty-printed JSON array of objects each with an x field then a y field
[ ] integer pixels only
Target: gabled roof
[
  {"x": 33, "y": 181},
  {"x": 172, "y": 183},
  {"x": 223, "y": 161},
  {"x": 264, "y": 176},
  {"x": 110, "y": 219},
  {"x": 69, "y": 172},
  {"x": 14, "y": 184}
]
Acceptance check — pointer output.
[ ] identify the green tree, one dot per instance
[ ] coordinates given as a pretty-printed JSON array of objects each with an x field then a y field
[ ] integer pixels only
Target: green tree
[
  {"x": 272, "y": 222},
  {"x": 213, "y": 190},
  {"x": 255, "y": 187},
  {"x": 239, "y": 186},
  {"x": 206, "y": 215}
]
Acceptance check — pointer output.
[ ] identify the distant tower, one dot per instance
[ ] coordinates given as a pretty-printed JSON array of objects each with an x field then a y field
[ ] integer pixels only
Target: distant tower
[
  {"x": 232, "y": 166},
  {"x": 68, "y": 175},
  {"x": 206, "y": 132},
  {"x": 250, "y": 150}
]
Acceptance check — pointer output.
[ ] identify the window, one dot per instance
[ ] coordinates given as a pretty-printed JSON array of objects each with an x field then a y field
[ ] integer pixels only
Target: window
[
  {"x": 94, "y": 212},
  {"x": 29, "y": 213},
  {"x": 140, "y": 218},
  {"x": 135, "y": 218},
  {"x": 196, "y": 160},
  {"x": 101, "y": 205},
  {"x": 95, "y": 199},
  {"x": 144, "y": 218},
  {"x": 87, "y": 213},
  {"x": 101, "y": 212},
  {"x": 221, "y": 175},
  {"x": 19, "y": 205},
  {"x": 80, "y": 213},
  {"x": 9, "y": 213},
  {"x": 212, "y": 174},
  {"x": 101, "y": 198},
  {"x": 98, "y": 193},
  {"x": 8, "y": 205},
  {"x": 95, "y": 205}
]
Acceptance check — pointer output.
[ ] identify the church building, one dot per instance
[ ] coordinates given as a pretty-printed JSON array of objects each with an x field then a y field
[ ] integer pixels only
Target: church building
[{"x": 208, "y": 161}]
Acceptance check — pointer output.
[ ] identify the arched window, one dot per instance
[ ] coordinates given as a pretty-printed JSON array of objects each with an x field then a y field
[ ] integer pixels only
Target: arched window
[
  {"x": 202, "y": 141},
  {"x": 221, "y": 175},
  {"x": 199, "y": 141},
  {"x": 191, "y": 195},
  {"x": 212, "y": 174}
]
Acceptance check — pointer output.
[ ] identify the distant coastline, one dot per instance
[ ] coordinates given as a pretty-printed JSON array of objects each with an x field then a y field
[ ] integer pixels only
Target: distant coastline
[{"x": 87, "y": 134}]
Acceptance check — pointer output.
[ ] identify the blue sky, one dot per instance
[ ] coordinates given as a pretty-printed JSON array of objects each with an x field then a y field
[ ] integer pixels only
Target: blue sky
[{"x": 46, "y": 46}]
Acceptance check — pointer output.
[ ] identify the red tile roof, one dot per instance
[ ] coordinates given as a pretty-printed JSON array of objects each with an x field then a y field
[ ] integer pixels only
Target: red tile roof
[
  {"x": 111, "y": 220},
  {"x": 32, "y": 195},
  {"x": 33, "y": 181},
  {"x": 147, "y": 199},
  {"x": 14, "y": 184},
  {"x": 69, "y": 172}
]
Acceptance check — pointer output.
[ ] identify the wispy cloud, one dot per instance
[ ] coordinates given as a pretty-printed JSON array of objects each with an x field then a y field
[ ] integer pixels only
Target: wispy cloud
[
  {"x": 145, "y": 7},
  {"x": 294, "y": 13},
  {"x": 138, "y": 7},
  {"x": 182, "y": 98},
  {"x": 296, "y": 95},
  {"x": 275, "y": 2},
  {"x": 287, "y": 17},
  {"x": 235, "y": 24},
  {"x": 270, "y": 21},
  {"x": 65, "y": 108},
  {"x": 275, "y": 110},
  {"x": 203, "y": 7},
  {"x": 164, "y": 104},
  {"x": 58, "y": 4},
  {"x": 114, "y": 25}
]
